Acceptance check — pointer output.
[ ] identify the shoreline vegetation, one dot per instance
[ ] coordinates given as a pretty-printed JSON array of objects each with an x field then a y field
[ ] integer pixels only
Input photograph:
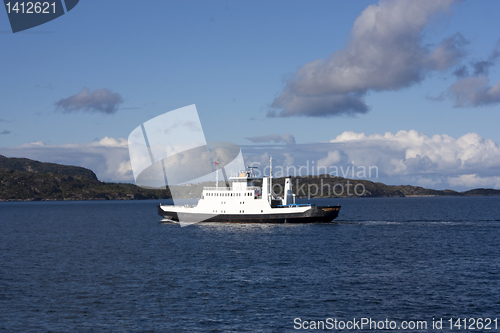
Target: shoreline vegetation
[{"x": 22, "y": 179}]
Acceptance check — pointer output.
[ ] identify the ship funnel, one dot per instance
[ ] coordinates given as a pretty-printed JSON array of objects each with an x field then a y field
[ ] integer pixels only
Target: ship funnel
[{"x": 288, "y": 194}]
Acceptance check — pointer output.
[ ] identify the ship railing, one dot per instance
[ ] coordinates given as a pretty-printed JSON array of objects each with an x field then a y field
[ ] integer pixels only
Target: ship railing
[
  {"x": 294, "y": 205},
  {"x": 222, "y": 188}
]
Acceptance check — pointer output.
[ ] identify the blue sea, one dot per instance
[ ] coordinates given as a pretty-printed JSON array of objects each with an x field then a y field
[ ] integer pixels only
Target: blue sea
[{"x": 112, "y": 266}]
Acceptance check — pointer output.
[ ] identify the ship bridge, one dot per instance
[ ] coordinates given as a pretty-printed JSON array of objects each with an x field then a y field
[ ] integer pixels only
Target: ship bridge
[{"x": 242, "y": 185}]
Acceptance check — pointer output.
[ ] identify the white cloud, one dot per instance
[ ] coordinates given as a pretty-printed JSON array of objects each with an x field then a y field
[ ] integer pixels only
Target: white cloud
[
  {"x": 332, "y": 159},
  {"x": 405, "y": 157},
  {"x": 385, "y": 52},
  {"x": 111, "y": 142},
  {"x": 474, "y": 181},
  {"x": 412, "y": 152},
  {"x": 108, "y": 157}
]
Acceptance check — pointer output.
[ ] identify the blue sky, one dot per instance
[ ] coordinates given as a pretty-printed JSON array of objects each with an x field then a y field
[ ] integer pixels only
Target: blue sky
[{"x": 240, "y": 62}]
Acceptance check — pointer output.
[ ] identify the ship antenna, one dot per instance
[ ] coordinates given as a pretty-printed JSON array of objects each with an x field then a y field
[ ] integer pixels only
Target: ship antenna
[
  {"x": 251, "y": 170},
  {"x": 271, "y": 177}
]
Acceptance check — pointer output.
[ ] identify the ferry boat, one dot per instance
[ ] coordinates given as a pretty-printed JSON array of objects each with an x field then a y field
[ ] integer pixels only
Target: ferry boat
[{"x": 243, "y": 202}]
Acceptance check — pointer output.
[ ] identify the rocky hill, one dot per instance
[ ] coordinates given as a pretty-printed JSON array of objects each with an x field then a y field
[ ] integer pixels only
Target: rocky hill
[
  {"x": 25, "y": 179},
  {"x": 325, "y": 187},
  {"x": 25, "y": 164}
]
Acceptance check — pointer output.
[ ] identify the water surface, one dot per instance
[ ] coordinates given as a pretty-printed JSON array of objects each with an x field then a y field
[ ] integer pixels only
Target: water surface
[{"x": 112, "y": 266}]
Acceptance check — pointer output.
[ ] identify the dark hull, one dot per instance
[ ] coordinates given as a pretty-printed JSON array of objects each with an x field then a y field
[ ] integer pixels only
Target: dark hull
[{"x": 314, "y": 215}]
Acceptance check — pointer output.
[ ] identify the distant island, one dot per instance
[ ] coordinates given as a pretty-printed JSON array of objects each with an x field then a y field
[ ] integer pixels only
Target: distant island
[{"x": 22, "y": 179}]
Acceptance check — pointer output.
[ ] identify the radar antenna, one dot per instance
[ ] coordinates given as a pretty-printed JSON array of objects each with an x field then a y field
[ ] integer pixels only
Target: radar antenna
[{"x": 251, "y": 170}]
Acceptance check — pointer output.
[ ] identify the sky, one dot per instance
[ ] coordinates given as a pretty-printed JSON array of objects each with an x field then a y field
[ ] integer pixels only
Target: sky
[{"x": 410, "y": 87}]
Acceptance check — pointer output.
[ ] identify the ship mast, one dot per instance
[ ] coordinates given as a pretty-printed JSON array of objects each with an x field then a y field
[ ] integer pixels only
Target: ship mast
[
  {"x": 271, "y": 177},
  {"x": 217, "y": 176}
]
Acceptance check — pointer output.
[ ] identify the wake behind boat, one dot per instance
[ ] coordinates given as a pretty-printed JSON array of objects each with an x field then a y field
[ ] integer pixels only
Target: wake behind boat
[{"x": 243, "y": 202}]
